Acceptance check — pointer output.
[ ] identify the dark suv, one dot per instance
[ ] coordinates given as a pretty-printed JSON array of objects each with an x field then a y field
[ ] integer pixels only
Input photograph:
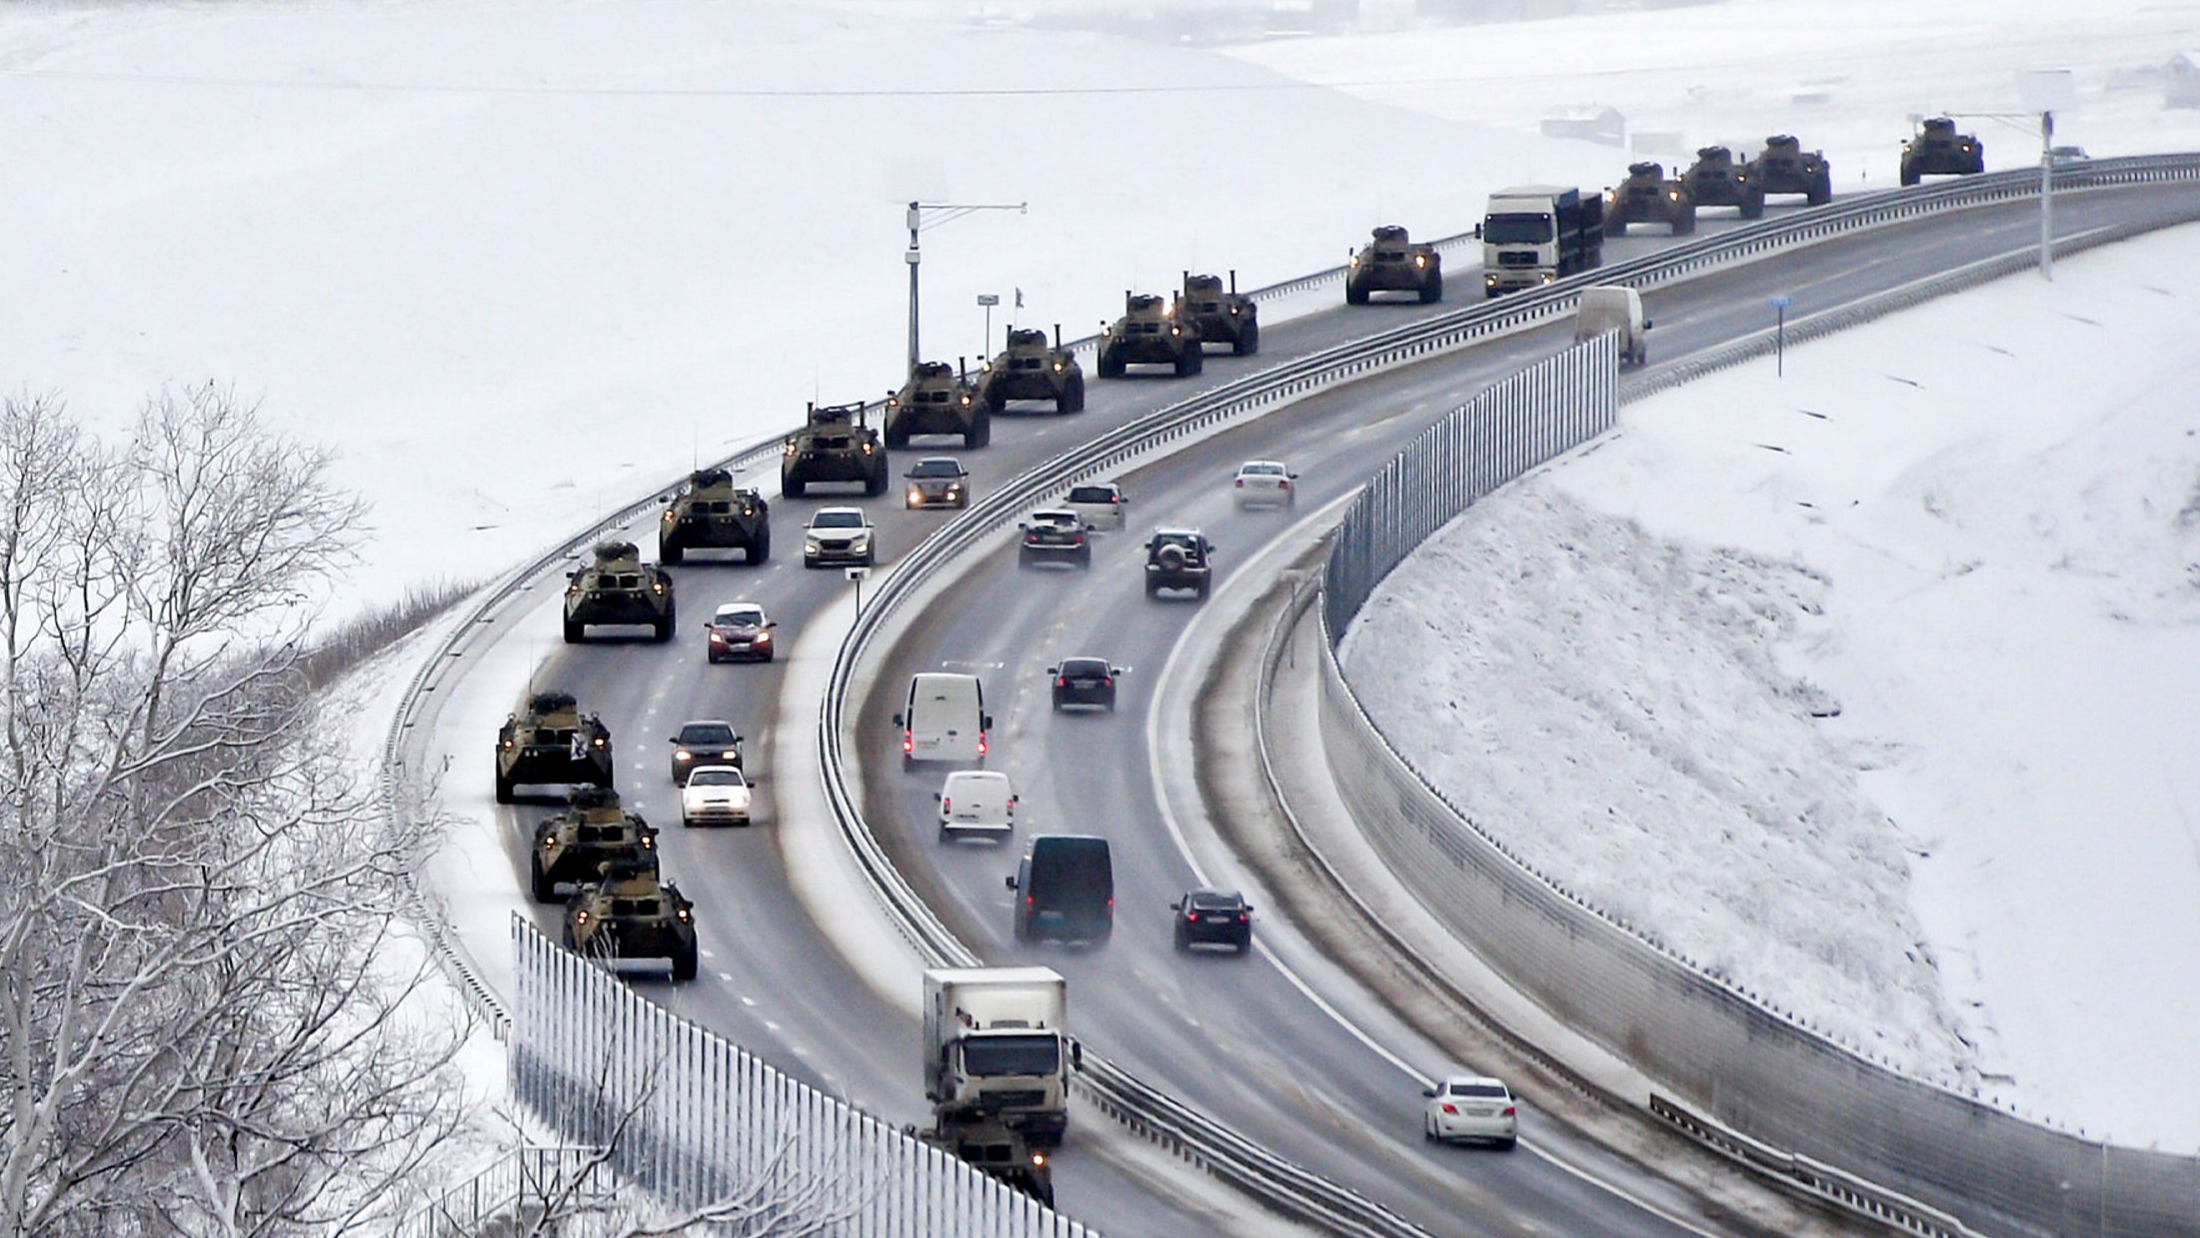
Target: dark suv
[
  {"x": 1066, "y": 890},
  {"x": 1178, "y": 559},
  {"x": 706, "y": 742},
  {"x": 1054, "y": 536},
  {"x": 1084, "y": 681},
  {"x": 1213, "y": 917}
]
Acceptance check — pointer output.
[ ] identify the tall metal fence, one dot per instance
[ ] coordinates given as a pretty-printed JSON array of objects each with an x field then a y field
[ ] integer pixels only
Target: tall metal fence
[
  {"x": 1760, "y": 1070},
  {"x": 692, "y": 1120}
]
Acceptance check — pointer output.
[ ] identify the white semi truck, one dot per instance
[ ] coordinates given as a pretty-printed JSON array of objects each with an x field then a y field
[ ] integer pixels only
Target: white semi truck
[{"x": 994, "y": 1044}]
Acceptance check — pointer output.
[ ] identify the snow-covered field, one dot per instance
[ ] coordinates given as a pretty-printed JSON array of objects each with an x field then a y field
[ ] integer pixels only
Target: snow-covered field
[{"x": 521, "y": 262}]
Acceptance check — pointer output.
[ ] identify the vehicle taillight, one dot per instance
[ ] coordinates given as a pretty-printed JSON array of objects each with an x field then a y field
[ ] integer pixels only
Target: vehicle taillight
[
  {"x": 1285, "y": 484},
  {"x": 981, "y": 743},
  {"x": 1511, "y": 1111},
  {"x": 1241, "y": 483},
  {"x": 1061, "y": 681},
  {"x": 908, "y": 742},
  {"x": 1244, "y": 916},
  {"x": 1450, "y": 1108},
  {"x": 1107, "y": 681}
]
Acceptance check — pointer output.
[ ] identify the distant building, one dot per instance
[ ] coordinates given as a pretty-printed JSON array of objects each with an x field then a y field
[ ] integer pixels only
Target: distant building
[
  {"x": 1603, "y": 125},
  {"x": 2181, "y": 80}
]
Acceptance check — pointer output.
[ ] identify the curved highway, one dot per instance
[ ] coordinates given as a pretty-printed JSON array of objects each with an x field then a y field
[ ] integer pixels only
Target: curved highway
[{"x": 1239, "y": 1037}]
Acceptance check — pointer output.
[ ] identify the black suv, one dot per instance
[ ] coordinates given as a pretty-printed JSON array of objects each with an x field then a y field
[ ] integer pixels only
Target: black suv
[
  {"x": 1084, "y": 681},
  {"x": 705, "y": 742},
  {"x": 1178, "y": 559},
  {"x": 1054, "y": 536},
  {"x": 1213, "y": 917}
]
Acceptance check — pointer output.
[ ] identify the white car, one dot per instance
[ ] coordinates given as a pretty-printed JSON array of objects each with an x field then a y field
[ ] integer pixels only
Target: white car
[
  {"x": 838, "y": 535},
  {"x": 1098, "y": 504},
  {"x": 1264, "y": 482},
  {"x": 976, "y": 803},
  {"x": 1471, "y": 1107},
  {"x": 715, "y": 795}
]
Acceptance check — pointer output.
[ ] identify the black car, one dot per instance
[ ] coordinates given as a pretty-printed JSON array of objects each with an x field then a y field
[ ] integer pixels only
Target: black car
[
  {"x": 1054, "y": 536},
  {"x": 706, "y": 742},
  {"x": 1214, "y": 917},
  {"x": 1084, "y": 681}
]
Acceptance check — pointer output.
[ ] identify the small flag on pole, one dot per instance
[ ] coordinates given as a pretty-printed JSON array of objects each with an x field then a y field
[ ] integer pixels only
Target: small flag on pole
[{"x": 1019, "y": 298}]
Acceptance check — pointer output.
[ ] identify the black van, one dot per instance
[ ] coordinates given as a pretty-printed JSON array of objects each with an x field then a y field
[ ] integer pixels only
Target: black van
[{"x": 1068, "y": 887}]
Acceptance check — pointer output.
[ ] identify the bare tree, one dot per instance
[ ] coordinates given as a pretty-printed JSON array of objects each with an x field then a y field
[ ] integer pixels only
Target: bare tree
[{"x": 199, "y": 1030}]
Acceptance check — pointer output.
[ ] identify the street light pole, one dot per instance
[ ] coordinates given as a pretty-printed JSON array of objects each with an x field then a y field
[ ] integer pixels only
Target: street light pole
[
  {"x": 914, "y": 257},
  {"x": 2047, "y": 194}
]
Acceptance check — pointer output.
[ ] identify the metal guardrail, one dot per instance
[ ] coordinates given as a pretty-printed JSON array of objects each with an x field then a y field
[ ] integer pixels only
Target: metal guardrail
[{"x": 1274, "y": 1180}]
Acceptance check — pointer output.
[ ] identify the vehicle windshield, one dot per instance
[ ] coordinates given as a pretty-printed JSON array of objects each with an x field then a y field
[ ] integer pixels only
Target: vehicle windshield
[
  {"x": 706, "y": 734},
  {"x": 1517, "y": 229},
  {"x": 716, "y": 777},
  {"x": 1036, "y": 1054},
  {"x": 845, "y": 518},
  {"x": 739, "y": 617},
  {"x": 936, "y": 468}
]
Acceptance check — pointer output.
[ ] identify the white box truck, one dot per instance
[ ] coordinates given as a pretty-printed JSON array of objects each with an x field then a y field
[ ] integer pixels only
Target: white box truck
[
  {"x": 994, "y": 1044},
  {"x": 1534, "y": 234}
]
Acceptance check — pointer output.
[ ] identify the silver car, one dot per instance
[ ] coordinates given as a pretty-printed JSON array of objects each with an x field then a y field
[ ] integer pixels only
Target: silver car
[
  {"x": 715, "y": 795},
  {"x": 1264, "y": 483}
]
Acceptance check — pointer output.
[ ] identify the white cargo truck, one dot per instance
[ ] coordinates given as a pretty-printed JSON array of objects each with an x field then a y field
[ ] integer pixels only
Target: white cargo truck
[
  {"x": 994, "y": 1044},
  {"x": 1534, "y": 234}
]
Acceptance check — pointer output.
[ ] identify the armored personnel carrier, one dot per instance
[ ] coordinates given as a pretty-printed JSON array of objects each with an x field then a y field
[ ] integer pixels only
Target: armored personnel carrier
[
  {"x": 571, "y": 846},
  {"x": 1647, "y": 196},
  {"x": 1716, "y": 180},
  {"x": 1149, "y": 333},
  {"x": 615, "y": 586},
  {"x": 1938, "y": 150},
  {"x": 629, "y": 913},
  {"x": 1394, "y": 262},
  {"x": 550, "y": 742},
  {"x": 1177, "y": 559},
  {"x": 937, "y": 400},
  {"x": 835, "y": 444},
  {"x": 985, "y": 1141},
  {"x": 1219, "y": 316},
  {"x": 1032, "y": 369},
  {"x": 709, "y": 513},
  {"x": 1785, "y": 167}
]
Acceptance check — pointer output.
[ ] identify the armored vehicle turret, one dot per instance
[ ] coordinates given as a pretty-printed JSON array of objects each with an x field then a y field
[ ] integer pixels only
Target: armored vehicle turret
[
  {"x": 937, "y": 400},
  {"x": 710, "y": 513},
  {"x": 1149, "y": 333},
  {"x": 834, "y": 444},
  {"x": 1032, "y": 369},
  {"x": 615, "y": 587},
  {"x": 1220, "y": 316},
  {"x": 550, "y": 742},
  {"x": 1716, "y": 180},
  {"x": 629, "y": 913},
  {"x": 1785, "y": 167},
  {"x": 572, "y": 846},
  {"x": 1938, "y": 150},
  {"x": 1394, "y": 262},
  {"x": 1647, "y": 196}
]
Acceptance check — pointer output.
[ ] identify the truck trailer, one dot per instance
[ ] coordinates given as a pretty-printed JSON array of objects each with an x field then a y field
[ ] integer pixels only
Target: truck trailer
[
  {"x": 1534, "y": 234},
  {"x": 994, "y": 1045}
]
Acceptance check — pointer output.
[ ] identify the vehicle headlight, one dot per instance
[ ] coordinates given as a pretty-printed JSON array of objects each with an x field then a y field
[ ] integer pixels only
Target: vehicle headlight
[
  {"x": 916, "y": 494},
  {"x": 682, "y": 754},
  {"x": 810, "y": 542}
]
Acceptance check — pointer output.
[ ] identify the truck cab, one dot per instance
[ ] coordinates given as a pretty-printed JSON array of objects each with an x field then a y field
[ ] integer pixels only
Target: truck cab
[
  {"x": 1535, "y": 234},
  {"x": 994, "y": 1046}
]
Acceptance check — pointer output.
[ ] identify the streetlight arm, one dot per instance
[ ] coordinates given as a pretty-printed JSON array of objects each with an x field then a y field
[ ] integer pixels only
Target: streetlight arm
[{"x": 941, "y": 212}]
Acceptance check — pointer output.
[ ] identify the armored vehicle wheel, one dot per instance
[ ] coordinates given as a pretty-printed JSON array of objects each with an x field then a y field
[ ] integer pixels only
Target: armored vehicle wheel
[
  {"x": 1910, "y": 174},
  {"x": 1821, "y": 191},
  {"x": 574, "y": 632},
  {"x": 504, "y": 788},
  {"x": 996, "y": 400},
  {"x": 683, "y": 963},
  {"x": 1354, "y": 294},
  {"x": 1753, "y": 205},
  {"x": 1685, "y": 223},
  {"x": 1072, "y": 399},
  {"x": 761, "y": 549},
  {"x": 1433, "y": 290},
  {"x": 980, "y": 432},
  {"x": 669, "y": 551},
  {"x": 545, "y": 890},
  {"x": 1615, "y": 227},
  {"x": 1189, "y": 362},
  {"x": 875, "y": 485},
  {"x": 896, "y": 439},
  {"x": 1111, "y": 364},
  {"x": 1248, "y": 340},
  {"x": 666, "y": 627},
  {"x": 792, "y": 487}
]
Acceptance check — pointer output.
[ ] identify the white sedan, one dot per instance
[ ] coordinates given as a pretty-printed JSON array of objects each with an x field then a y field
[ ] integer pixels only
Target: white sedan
[
  {"x": 715, "y": 795},
  {"x": 1265, "y": 482},
  {"x": 1471, "y": 1107}
]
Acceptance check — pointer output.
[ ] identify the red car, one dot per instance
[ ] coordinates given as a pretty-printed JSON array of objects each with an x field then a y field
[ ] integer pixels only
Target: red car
[{"x": 739, "y": 630}]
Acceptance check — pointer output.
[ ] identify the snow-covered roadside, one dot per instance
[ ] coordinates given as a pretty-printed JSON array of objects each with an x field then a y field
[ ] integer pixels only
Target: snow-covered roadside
[{"x": 1972, "y": 530}]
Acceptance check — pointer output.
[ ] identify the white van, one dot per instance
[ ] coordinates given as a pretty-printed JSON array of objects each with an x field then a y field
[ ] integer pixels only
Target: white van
[
  {"x": 1608, "y": 307},
  {"x": 945, "y": 719},
  {"x": 976, "y": 803}
]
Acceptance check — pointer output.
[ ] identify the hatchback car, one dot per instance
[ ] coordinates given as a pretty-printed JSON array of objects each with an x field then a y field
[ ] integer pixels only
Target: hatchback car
[
  {"x": 1264, "y": 483},
  {"x": 715, "y": 795},
  {"x": 705, "y": 742},
  {"x": 938, "y": 481},
  {"x": 1471, "y": 1107},
  {"x": 1054, "y": 535},
  {"x": 838, "y": 535},
  {"x": 1098, "y": 504},
  {"x": 1213, "y": 917},
  {"x": 740, "y": 630},
  {"x": 1084, "y": 681}
]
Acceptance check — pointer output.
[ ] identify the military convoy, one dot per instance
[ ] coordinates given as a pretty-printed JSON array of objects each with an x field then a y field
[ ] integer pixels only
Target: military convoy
[
  {"x": 1716, "y": 180},
  {"x": 1149, "y": 333},
  {"x": 572, "y": 846},
  {"x": 937, "y": 400},
  {"x": 710, "y": 513},
  {"x": 834, "y": 444},
  {"x": 1032, "y": 369},
  {"x": 616, "y": 587},
  {"x": 629, "y": 912},
  {"x": 1938, "y": 150},
  {"x": 1785, "y": 167},
  {"x": 1394, "y": 262},
  {"x": 550, "y": 742},
  {"x": 1648, "y": 196},
  {"x": 1217, "y": 316}
]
